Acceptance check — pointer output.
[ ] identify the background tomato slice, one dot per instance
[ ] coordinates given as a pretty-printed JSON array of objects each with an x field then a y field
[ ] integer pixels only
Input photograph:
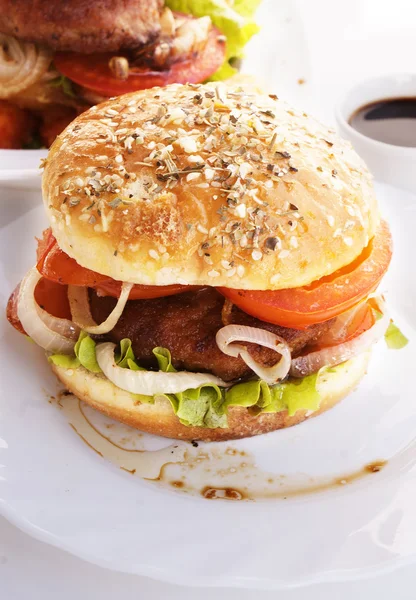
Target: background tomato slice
[
  {"x": 326, "y": 298},
  {"x": 16, "y": 126},
  {"x": 92, "y": 70}
]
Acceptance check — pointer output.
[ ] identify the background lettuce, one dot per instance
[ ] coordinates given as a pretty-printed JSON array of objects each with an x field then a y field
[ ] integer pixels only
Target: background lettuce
[{"x": 234, "y": 21}]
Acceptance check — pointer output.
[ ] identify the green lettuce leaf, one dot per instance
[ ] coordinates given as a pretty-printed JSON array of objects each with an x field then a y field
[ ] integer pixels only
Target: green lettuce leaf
[
  {"x": 295, "y": 395},
  {"x": 164, "y": 360},
  {"x": 395, "y": 338},
  {"x": 84, "y": 355},
  {"x": 85, "y": 351},
  {"x": 125, "y": 358},
  {"x": 199, "y": 407},
  {"x": 291, "y": 396},
  {"x": 207, "y": 405},
  {"x": 234, "y": 20},
  {"x": 65, "y": 361},
  {"x": 248, "y": 394},
  {"x": 65, "y": 84}
]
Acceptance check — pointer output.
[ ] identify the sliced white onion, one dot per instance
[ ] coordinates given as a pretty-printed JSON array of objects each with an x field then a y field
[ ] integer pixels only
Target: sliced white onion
[
  {"x": 226, "y": 337},
  {"x": 81, "y": 314},
  {"x": 21, "y": 65},
  {"x": 51, "y": 333},
  {"x": 149, "y": 383},
  {"x": 335, "y": 355},
  {"x": 338, "y": 329}
]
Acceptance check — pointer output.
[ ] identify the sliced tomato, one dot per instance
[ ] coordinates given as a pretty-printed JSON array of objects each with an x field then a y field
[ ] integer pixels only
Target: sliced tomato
[
  {"x": 53, "y": 297},
  {"x": 56, "y": 266},
  {"x": 142, "y": 292},
  {"x": 326, "y": 298},
  {"x": 363, "y": 320},
  {"x": 348, "y": 326},
  {"x": 92, "y": 70},
  {"x": 44, "y": 243},
  {"x": 50, "y": 296}
]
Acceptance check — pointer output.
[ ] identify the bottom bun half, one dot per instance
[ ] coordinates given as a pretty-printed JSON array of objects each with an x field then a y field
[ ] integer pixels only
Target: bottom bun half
[{"x": 159, "y": 418}]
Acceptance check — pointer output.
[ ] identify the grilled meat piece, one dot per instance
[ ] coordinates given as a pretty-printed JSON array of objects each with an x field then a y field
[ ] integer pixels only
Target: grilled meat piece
[
  {"x": 82, "y": 25},
  {"x": 186, "y": 324}
]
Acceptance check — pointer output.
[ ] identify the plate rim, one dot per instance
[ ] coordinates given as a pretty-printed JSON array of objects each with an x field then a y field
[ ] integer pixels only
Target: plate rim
[
  {"x": 229, "y": 580},
  {"x": 222, "y": 581}
]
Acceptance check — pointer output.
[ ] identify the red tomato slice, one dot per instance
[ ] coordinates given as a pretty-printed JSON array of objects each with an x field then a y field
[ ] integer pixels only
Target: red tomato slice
[
  {"x": 326, "y": 298},
  {"x": 53, "y": 297},
  {"x": 50, "y": 296},
  {"x": 55, "y": 265},
  {"x": 44, "y": 243},
  {"x": 142, "y": 292},
  {"x": 92, "y": 70},
  {"x": 363, "y": 320},
  {"x": 346, "y": 327}
]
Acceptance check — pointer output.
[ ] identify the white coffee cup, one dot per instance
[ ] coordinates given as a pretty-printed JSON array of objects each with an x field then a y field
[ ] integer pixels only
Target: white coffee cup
[{"x": 392, "y": 164}]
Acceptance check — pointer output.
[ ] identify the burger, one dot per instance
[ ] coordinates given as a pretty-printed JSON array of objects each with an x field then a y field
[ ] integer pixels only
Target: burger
[
  {"x": 59, "y": 58},
  {"x": 211, "y": 263}
]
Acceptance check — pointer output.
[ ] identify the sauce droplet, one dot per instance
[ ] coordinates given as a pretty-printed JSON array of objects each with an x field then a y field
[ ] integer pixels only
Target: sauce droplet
[
  {"x": 212, "y": 471},
  {"x": 221, "y": 494},
  {"x": 375, "y": 466}
]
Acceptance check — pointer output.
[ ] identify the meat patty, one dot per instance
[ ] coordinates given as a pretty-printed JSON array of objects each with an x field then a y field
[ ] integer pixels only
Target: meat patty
[
  {"x": 187, "y": 324},
  {"x": 82, "y": 25}
]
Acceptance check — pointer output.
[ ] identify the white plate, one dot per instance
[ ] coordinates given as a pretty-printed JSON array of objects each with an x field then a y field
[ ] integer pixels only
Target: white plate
[
  {"x": 57, "y": 489},
  {"x": 278, "y": 58}
]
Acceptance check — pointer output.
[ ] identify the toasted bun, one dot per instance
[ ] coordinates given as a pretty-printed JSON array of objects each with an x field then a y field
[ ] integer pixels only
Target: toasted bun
[
  {"x": 160, "y": 419},
  {"x": 82, "y": 25},
  {"x": 278, "y": 200}
]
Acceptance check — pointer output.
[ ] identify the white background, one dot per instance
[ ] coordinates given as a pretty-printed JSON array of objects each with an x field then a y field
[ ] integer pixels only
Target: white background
[{"x": 330, "y": 44}]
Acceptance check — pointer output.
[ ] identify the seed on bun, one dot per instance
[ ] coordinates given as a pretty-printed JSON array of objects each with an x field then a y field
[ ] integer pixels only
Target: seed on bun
[{"x": 207, "y": 185}]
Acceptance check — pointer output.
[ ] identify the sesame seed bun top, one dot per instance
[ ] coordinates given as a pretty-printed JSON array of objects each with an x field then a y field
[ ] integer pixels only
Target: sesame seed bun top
[{"x": 209, "y": 185}]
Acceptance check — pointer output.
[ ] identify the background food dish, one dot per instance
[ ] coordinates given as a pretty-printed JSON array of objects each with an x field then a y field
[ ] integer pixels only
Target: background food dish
[
  {"x": 72, "y": 55},
  {"x": 21, "y": 169}
]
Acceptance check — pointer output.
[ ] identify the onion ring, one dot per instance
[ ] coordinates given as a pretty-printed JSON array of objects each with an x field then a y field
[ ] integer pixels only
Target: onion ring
[
  {"x": 52, "y": 334},
  {"x": 81, "y": 314},
  {"x": 150, "y": 383},
  {"x": 253, "y": 335}
]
